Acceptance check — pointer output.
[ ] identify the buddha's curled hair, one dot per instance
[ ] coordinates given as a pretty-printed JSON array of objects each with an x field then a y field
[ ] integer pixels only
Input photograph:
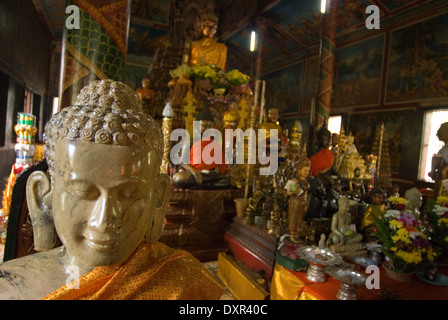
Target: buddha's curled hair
[{"x": 106, "y": 112}]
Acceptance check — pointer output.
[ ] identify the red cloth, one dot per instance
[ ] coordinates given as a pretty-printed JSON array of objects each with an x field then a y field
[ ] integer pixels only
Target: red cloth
[
  {"x": 414, "y": 290},
  {"x": 196, "y": 152},
  {"x": 321, "y": 161}
]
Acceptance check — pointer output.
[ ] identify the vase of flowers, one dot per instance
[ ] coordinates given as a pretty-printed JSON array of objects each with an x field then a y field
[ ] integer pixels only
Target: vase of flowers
[
  {"x": 438, "y": 221},
  {"x": 403, "y": 243}
]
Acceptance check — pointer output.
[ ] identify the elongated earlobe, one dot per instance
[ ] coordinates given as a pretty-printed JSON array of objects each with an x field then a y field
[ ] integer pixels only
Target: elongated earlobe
[
  {"x": 160, "y": 197},
  {"x": 38, "y": 189}
]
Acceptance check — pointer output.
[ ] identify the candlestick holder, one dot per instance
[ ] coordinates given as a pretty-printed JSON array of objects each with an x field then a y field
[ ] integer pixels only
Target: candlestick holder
[
  {"x": 350, "y": 281},
  {"x": 318, "y": 259}
]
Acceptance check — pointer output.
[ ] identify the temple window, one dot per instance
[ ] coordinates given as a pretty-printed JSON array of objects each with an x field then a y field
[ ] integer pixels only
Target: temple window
[{"x": 430, "y": 143}]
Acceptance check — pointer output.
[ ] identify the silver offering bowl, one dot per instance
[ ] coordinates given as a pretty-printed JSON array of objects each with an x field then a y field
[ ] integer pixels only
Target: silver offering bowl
[
  {"x": 350, "y": 280},
  {"x": 318, "y": 259}
]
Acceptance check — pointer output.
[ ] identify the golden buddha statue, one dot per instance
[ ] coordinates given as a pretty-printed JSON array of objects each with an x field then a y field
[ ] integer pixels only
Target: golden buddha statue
[
  {"x": 147, "y": 96},
  {"x": 350, "y": 159},
  {"x": 208, "y": 50},
  {"x": 271, "y": 123}
]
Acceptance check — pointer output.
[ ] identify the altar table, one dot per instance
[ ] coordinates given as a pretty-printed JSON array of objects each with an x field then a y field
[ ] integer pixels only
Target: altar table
[{"x": 293, "y": 285}]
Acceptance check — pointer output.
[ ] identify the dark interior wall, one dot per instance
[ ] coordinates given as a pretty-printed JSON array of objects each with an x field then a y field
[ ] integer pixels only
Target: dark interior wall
[
  {"x": 26, "y": 56},
  {"x": 24, "y": 61}
]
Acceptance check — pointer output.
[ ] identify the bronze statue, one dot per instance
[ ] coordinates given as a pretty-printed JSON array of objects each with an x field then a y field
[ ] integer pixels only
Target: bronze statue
[{"x": 297, "y": 191}]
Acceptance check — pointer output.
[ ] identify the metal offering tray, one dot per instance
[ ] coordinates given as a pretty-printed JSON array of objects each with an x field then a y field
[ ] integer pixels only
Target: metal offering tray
[
  {"x": 318, "y": 259},
  {"x": 350, "y": 280}
]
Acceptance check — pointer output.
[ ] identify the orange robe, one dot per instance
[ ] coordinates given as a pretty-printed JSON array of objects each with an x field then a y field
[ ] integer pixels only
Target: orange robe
[
  {"x": 209, "y": 51},
  {"x": 153, "y": 272},
  {"x": 196, "y": 153},
  {"x": 321, "y": 161}
]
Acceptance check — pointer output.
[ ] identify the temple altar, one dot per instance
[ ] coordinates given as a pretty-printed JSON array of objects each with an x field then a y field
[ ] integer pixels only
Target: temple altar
[{"x": 292, "y": 285}]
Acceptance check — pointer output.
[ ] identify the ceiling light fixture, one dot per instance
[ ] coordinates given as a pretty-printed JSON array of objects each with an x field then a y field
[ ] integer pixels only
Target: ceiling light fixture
[
  {"x": 323, "y": 6},
  {"x": 253, "y": 37}
]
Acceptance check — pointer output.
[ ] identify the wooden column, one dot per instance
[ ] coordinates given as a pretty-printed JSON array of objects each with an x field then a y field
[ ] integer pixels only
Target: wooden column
[
  {"x": 97, "y": 49},
  {"x": 326, "y": 72}
]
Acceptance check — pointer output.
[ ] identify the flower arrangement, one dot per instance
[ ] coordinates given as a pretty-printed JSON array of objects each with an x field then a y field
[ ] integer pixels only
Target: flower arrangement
[
  {"x": 438, "y": 220},
  {"x": 204, "y": 71},
  {"x": 217, "y": 77},
  {"x": 237, "y": 78},
  {"x": 402, "y": 239}
]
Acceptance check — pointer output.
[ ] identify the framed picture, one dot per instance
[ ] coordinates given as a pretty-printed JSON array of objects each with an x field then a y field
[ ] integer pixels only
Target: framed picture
[
  {"x": 283, "y": 88},
  {"x": 357, "y": 78}
]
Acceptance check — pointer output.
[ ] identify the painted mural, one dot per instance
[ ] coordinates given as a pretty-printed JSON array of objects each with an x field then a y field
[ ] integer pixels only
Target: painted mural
[
  {"x": 418, "y": 61},
  {"x": 358, "y": 73},
  {"x": 283, "y": 88},
  {"x": 144, "y": 40},
  {"x": 156, "y": 11},
  {"x": 306, "y": 28},
  {"x": 364, "y": 126}
]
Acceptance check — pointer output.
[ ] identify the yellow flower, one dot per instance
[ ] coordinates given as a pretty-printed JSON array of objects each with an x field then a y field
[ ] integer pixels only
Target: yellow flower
[
  {"x": 395, "y": 224},
  {"x": 442, "y": 200},
  {"x": 429, "y": 253},
  {"x": 443, "y": 220},
  {"x": 401, "y": 235},
  {"x": 398, "y": 200},
  {"x": 414, "y": 257}
]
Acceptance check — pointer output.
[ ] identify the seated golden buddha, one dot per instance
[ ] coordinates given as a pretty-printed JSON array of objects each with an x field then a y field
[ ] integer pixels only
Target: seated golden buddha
[{"x": 208, "y": 50}]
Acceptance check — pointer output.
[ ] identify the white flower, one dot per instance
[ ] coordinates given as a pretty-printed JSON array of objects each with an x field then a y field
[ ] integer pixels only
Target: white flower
[
  {"x": 414, "y": 235},
  {"x": 392, "y": 214},
  {"x": 439, "y": 210}
]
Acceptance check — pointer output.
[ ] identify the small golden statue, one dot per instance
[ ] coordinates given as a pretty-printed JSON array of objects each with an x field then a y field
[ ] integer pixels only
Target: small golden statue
[
  {"x": 297, "y": 191},
  {"x": 147, "y": 96}
]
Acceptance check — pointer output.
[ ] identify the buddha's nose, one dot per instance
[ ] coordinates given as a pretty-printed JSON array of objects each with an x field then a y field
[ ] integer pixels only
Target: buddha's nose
[{"x": 106, "y": 215}]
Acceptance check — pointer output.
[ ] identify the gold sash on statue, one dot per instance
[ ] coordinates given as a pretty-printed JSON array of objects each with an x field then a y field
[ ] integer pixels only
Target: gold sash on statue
[
  {"x": 372, "y": 212},
  {"x": 152, "y": 272}
]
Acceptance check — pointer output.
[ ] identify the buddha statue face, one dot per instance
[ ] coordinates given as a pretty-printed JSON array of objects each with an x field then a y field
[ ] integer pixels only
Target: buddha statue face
[
  {"x": 273, "y": 115},
  {"x": 101, "y": 200},
  {"x": 209, "y": 25},
  {"x": 146, "y": 83},
  {"x": 105, "y": 194},
  {"x": 303, "y": 172}
]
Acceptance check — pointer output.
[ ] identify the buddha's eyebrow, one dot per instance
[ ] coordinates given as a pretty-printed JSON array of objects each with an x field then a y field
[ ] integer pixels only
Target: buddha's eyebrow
[{"x": 117, "y": 182}]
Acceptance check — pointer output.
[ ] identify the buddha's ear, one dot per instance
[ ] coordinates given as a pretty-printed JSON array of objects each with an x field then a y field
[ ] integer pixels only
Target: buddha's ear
[
  {"x": 38, "y": 190},
  {"x": 160, "y": 198}
]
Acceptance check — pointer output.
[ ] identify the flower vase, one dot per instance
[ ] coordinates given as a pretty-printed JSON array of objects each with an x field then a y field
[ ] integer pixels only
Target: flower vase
[
  {"x": 241, "y": 89},
  {"x": 399, "y": 276}
]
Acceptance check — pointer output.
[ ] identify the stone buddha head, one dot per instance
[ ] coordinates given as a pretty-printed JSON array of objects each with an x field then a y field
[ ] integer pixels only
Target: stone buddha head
[{"x": 104, "y": 193}]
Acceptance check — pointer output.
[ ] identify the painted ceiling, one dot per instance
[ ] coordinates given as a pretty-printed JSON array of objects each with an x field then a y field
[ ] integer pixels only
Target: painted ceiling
[{"x": 291, "y": 26}]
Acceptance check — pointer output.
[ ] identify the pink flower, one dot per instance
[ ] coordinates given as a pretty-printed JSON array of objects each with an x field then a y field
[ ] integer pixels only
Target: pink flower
[{"x": 408, "y": 219}]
